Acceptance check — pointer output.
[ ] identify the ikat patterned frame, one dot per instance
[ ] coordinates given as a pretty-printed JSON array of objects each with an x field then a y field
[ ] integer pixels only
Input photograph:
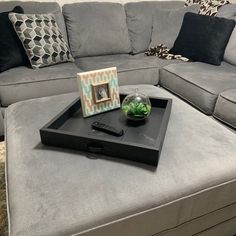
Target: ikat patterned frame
[{"x": 99, "y": 91}]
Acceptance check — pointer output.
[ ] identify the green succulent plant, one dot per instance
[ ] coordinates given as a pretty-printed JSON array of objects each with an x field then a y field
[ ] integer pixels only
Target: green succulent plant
[{"x": 136, "y": 109}]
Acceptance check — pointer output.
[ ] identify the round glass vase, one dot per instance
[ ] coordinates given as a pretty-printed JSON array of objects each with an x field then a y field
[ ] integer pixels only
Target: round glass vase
[{"x": 136, "y": 106}]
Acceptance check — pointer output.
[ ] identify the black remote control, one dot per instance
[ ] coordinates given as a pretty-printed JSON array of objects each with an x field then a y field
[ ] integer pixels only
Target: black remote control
[{"x": 107, "y": 129}]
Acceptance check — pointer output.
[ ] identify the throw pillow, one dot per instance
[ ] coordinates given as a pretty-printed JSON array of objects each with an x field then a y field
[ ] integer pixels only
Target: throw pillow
[
  {"x": 203, "y": 38},
  {"x": 41, "y": 38},
  {"x": 12, "y": 52},
  {"x": 166, "y": 25},
  {"x": 207, "y": 7}
]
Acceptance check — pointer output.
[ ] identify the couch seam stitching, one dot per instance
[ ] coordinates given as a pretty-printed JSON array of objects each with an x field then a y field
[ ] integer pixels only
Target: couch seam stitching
[
  {"x": 212, "y": 93},
  {"x": 154, "y": 208},
  {"x": 185, "y": 99},
  {"x": 196, "y": 218},
  {"x": 227, "y": 99},
  {"x": 223, "y": 120},
  {"x": 36, "y": 81},
  {"x": 234, "y": 217}
]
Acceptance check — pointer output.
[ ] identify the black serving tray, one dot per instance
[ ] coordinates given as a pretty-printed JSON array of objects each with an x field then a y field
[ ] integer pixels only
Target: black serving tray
[{"x": 141, "y": 142}]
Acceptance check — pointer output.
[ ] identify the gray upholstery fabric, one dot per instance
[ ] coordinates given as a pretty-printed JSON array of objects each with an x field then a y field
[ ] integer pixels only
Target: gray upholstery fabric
[
  {"x": 96, "y": 28},
  {"x": 52, "y": 191},
  {"x": 226, "y": 228},
  {"x": 167, "y": 24},
  {"x": 230, "y": 51},
  {"x": 138, "y": 69},
  {"x": 2, "y": 112},
  {"x": 139, "y": 21},
  {"x": 199, "y": 83},
  {"x": 22, "y": 83},
  {"x": 225, "y": 108},
  {"x": 227, "y": 11},
  {"x": 33, "y": 7},
  {"x": 220, "y": 227}
]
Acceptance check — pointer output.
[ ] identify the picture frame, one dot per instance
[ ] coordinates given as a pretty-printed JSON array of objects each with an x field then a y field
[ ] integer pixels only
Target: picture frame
[{"x": 99, "y": 91}]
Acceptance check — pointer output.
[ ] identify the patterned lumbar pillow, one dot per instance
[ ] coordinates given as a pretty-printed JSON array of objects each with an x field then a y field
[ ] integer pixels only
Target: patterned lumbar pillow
[
  {"x": 208, "y": 7},
  {"x": 41, "y": 38}
]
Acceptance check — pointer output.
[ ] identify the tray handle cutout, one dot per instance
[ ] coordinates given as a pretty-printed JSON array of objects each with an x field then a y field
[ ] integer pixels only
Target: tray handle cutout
[{"x": 95, "y": 148}]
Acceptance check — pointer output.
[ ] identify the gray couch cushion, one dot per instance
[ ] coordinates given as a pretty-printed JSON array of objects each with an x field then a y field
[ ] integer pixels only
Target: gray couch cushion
[
  {"x": 167, "y": 24},
  {"x": 22, "y": 83},
  {"x": 225, "y": 108},
  {"x": 230, "y": 51},
  {"x": 229, "y": 11},
  {"x": 53, "y": 191},
  {"x": 139, "y": 21},
  {"x": 138, "y": 69},
  {"x": 33, "y": 7},
  {"x": 96, "y": 28},
  {"x": 199, "y": 83}
]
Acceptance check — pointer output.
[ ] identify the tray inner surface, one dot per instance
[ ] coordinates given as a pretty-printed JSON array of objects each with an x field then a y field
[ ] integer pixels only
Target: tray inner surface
[{"x": 144, "y": 133}]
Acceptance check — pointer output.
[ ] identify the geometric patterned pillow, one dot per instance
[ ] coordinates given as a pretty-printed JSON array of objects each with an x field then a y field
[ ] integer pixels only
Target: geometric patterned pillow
[
  {"x": 207, "y": 7},
  {"x": 42, "y": 40}
]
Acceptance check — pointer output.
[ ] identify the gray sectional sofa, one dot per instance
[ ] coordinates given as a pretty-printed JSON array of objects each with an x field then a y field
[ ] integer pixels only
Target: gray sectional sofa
[
  {"x": 209, "y": 88},
  {"x": 191, "y": 190}
]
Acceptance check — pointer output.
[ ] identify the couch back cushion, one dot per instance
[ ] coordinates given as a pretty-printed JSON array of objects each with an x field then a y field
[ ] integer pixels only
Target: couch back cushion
[
  {"x": 229, "y": 12},
  {"x": 33, "y": 7},
  {"x": 139, "y": 21},
  {"x": 167, "y": 23},
  {"x": 96, "y": 28}
]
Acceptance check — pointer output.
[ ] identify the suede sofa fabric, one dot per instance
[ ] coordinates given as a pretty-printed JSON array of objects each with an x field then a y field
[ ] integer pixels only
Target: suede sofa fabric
[
  {"x": 167, "y": 24},
  {"x": 199, "y": 83},
  {"x": 230, "y": 51},
  {"x": 96, "y": 28},
  {"x": 203, "y": 38},
  {"x": 226, "y": 228},
  {"x": 12, "y": 52},
  {"x": 53, "y": 191},
  {"x": 227, "y": 11},
  {"x": 225, "y": 109},
  {"x": 139, "y": 21},
  {"x": 23, "y": 83},
  {"x": 33, "y": 7},
  {"x": 138, "y": 69}
]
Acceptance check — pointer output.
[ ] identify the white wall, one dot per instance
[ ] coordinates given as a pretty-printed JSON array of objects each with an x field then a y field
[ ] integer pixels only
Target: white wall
[{"x": 61, "y": 2}]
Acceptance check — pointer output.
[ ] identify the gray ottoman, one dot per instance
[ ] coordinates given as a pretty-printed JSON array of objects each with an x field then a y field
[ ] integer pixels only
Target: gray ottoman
[
  {"x": 225, "y": 108},
  {"x": 53, "y": 191}
]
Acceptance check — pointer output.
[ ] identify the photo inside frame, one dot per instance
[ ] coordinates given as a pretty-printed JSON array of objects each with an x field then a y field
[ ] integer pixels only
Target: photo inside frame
[{"x": 101, "y": 92}]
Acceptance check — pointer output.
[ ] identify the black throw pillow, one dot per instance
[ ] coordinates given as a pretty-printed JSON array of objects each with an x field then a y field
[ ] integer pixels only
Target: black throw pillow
[
  {"x": 203, "y": 38},
  {"x": 12, "y": 53}
]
